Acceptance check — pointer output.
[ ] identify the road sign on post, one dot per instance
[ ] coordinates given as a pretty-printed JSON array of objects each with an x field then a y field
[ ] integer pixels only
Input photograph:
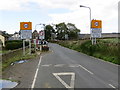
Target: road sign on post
[
  {"x": 96, "y": 30},
  {"x": 42, "y": 35},
  {"x": 96, "y": 27},
  {"x": 26, "y": 34},
  {"x": 26, "y": 30}
]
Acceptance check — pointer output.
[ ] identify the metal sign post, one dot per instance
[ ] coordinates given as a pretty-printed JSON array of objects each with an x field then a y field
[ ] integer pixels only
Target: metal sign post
[
  {"x": 29, "y": 46},
  {"x": 23, "y": 47}
]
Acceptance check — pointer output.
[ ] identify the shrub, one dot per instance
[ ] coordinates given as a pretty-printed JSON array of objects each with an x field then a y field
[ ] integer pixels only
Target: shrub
[{"x": 14, "y": 44}]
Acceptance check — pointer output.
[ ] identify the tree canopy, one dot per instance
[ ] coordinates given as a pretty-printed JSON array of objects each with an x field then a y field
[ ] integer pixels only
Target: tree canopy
[{"x": 62, "y": 31}]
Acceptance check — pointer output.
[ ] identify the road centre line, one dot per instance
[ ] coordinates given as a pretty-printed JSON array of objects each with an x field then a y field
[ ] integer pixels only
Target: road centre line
[
  {"x": 85, "y": 69},
  {"x": 59, "y": 65},
  {"x": 34, "y": 80},
  {"x": 112, "y": 86},
  {"x": 74, "y": 65},
  {"x": 46, "y": 65}
]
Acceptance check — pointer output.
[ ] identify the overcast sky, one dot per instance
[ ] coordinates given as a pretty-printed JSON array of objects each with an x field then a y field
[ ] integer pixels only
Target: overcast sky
[{"x": 12, "y": 12}]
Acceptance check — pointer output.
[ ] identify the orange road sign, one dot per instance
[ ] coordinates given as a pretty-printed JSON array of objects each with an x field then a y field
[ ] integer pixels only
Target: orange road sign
[
  {"x": 25, "y": 25},
  {"x": 96, "y": 24}
]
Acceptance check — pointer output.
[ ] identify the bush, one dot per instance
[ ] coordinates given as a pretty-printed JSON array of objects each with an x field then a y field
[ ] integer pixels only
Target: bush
[{"x": 14, "y": 44}]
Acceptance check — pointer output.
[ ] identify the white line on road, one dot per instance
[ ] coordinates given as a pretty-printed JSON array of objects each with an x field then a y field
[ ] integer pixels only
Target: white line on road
[
  {"x": 33, "y": 84},
  {"x": 46, "y": 65},
  {"x": 74, "y": 65},
  {"x": 85, "y": 69},
  {"x": 112, "y": 86},
  {"x": 59, "y": 65},
  {"x": 63, "y": 82}
]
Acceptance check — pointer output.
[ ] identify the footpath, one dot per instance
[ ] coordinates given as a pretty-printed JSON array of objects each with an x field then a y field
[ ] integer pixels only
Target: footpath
[{"x": 22, "y": 73}]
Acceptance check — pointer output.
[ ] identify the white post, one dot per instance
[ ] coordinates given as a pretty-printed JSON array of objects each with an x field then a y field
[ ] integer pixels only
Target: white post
[
  {"x": 95, "y": 40},
  {"x": 29, "y": 46},
  {"x": 23, "y": 47}
]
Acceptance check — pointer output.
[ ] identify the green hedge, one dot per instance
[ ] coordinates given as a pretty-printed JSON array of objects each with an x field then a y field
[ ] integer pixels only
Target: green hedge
[
  {"x": 14, "y": 44},
  {"x": 102, "y": 50}
]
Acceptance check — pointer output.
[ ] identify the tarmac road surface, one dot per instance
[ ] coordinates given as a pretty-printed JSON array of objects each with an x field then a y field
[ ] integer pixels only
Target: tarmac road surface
[{"x": 65, "y": 68}]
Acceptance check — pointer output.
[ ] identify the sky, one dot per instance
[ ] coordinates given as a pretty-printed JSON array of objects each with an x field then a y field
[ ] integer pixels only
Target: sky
[{"x": 12, "y": 12}]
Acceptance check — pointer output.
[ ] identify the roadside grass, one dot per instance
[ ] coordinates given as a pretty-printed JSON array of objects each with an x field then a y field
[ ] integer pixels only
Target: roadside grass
[
  {"x": 111, "y": 40},
  {"x": 4, "y": 51},
  {"x": 105, "y": 49},
  {"x": 17, "y": 58},
  {"x": 0, "y": 68}
]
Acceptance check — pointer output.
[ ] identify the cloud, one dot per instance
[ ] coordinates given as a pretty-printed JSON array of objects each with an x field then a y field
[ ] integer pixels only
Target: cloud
[
  {"x": 105, "y": 10},
  {"x": 12, "y": 5}
]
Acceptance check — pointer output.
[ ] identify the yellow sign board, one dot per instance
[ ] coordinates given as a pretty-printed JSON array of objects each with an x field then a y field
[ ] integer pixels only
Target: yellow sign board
[
  {"x": 25, "y": 25},
  {"x": 96, "y": 24}
]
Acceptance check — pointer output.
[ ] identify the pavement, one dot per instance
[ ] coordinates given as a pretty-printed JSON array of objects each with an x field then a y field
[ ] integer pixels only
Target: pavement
[{"x": 65, "y": 68}]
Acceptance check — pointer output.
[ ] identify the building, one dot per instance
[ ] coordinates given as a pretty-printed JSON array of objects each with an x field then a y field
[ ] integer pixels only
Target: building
[
  {"x": 4, "y": 34},
  {"x": 2, "y": 39},
  {"x": 35, "y": 35},
  {"x": 15, "y": 36}
]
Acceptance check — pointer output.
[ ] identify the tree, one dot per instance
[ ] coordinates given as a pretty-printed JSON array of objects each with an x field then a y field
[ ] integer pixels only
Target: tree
[
  {"x": 73, "y": 31},
  {"x": 48, "y": 32},
  {"x": 61, "y": 30}
]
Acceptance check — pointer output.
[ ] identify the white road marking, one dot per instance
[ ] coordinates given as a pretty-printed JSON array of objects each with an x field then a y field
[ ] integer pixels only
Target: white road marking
[
  {"x": 59, "y": 65},
  {"x": 46, "y": 65},
  {"x": 112, "y": 86},
  {"x": 85, "y": 69},
  {"x": 74, "y": 65},
  {"x": 34, "y": 80},
  {"x": 63, "y": 82}
]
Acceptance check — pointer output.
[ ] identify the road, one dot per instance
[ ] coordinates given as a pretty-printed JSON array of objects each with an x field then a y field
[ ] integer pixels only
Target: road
[{"x": 65, "y": 68}]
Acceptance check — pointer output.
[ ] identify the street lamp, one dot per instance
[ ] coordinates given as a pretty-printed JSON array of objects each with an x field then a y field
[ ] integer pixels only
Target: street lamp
[
  {"x": 90, "y": 15},
  {"x": 36, "y": 25}
]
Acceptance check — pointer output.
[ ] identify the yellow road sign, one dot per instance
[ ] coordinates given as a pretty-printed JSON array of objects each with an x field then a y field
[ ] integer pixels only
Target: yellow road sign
[
  {"x": 96, "y": 24},
  {"x": 25, "y": 25}
]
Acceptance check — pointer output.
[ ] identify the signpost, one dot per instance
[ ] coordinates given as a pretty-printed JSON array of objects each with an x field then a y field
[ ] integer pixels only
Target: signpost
[
  {"x": 42, "y": 35},
  {"x": 96, "y": 30},
  {"x": 26, "y": 34}
]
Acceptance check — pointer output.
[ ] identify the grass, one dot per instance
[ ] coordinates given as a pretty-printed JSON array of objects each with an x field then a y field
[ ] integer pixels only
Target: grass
[
  {"x": 4, "y": 51},
  {"x": 17, "y": 58},
  {"x": 111, "y": 40}
]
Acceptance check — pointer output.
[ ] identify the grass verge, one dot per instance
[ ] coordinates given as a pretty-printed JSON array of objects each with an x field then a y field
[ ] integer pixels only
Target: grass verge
[
  {"x": 107, "y": 49},
  {"x": 17, "y": 58}
]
